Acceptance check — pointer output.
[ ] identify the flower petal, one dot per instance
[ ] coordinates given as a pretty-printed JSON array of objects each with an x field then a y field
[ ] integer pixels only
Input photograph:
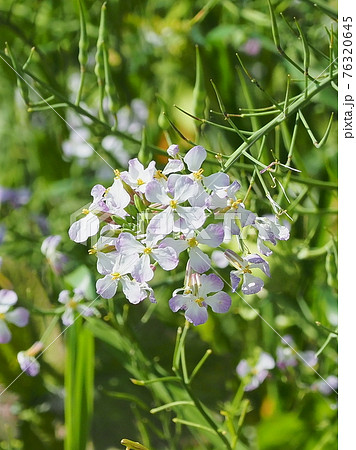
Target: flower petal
[
  {"x": 179, "y": 245},
  {"x": 132, "y": 290},
  {"x": 194, "y": 216},
  {"x": 19, "y": 316},
  {"x": 243, "y": 368},
  {"x": 265, "y": 362},
  {"x": 161, "y": 223},
  {"x": 210, "y": 283},
  {"x": 251, "y": 284},
  {"x": 142, "y": 270},
  {"x": 196, "y": 314},
  {"x": 84, "y": 228},
  {"x": 195, "y": 158},
  {"x": 155, "y": 193},
  {"x": 28, "y": 364},
  {"x": 173, "y": 165},
  {"x": 64, "y": 297},
  {"x": 68, "y": 317},
  {"x": 235, "y": 280},
  {"x": 166, "y": 257},
  {"x": 217, "y": 180},
  {"x": 106, "y": 287},
  {"x": 199, "y": 261},
  {"x": 180, "y": 301},
  {"x": 126, "y": 243},
  {"x": 172, "y": 150},
  {"x": 219, "y": 302},
  {"x": 213, "y": 235},
  {"x": 184, "y": 189},
  {"x": 5, "y": 335}
]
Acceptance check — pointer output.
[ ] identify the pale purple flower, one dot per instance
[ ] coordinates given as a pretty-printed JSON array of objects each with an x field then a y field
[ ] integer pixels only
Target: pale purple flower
[
  {"x": 219, "y": 260},
  {"x": 137, "y": 176},
  {"x": 255, "y": 375},
  {"x": 196, "y": 299},
  {"x": 28, "y": 361},
  {"x": 271, "y": 231},
  {"x": 251, "y": 284},
  {"x": 89, "y": 224},
  {"x": 15, "y": 196},
  {"x": 55, "y": 258},
  {"x": 223, "y": 202},
  {"x": 326, "y": 387},
  {"x": 211, "y": 236},
  {"x": 18, "y": 316},
  {"x": 134, "y": 291},
  {"x": 252, "y": 47},
  {"x": 73, "y": 304},
  {"x": 166, "y": 257},
  {"x": 163, "y": 222}
]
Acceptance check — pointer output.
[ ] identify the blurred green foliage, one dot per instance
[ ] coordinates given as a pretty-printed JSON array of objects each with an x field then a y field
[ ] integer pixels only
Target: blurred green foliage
[{"x": 151, "y": 49}]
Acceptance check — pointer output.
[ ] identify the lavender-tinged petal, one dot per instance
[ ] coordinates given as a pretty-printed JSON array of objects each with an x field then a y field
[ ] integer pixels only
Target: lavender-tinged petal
[
  {"x": 184, "y": 189},
  {"x": 133, "y": 291},
  {"x": 106, "y": 262},
  {"x": 135, "y": 168},
  {"x": 309, "y": 358},
  {"x": 195, "y": 158},
  {"x": 255, "y": 261},
  {"x": 172, "y": 150},
  {"x": 180, "y": 302},
  {"x": 196, "y": 314},
  {"x": 210, "y": 283},
  {"x": 155, "y": 193},
  {"x": 28, "y": 364},
  {"x": 142, "y": 270},
  {"x": 217, "y": 180},
  {"x": 235, "y": 280},
  {"x": 243, "y": 368},
  {"x": 200, "y": 198},
  {"x": 166, "y": 257},
  {"x": 251, "y": 284},
  {"x": 232, "y": 189},
  {"x": 254, "y": 383},
  {"x": 219, "y": 302},
  {"x": 97, "y": 192},
  {"x": 86, "y": 311},
  {"x": 64, "y": 297},
  {"x": 245, "y": 216},
  {"x": 173, "y": 165},
  {"x": 265, "y": 362},
  {"x": 194, "y": 216},
  {"x": 49, "y": 245},
  {"x": 199, "y": 261},
  {"x": 125, "y": 263},
  {"x": 162, "y": 223},
  {"x": 117, "y": 198},
  {"x": 68, "y": 317},
  {"x": 5, "y": 335},
  {"x": 218, "y": 259},
  {"x": 84, "y": 228},
  {"x": 19, "y": 316},
  {"x": 212, "y": 236},
  {"x": 262, "y": 248},
  {"x": 179, "y": 245},
  {"x": 214, "y": 201},
  {"x": 7, "y": 297},
  {"x": 126, "y": 243},
  {"x": 106, "y": 287}
]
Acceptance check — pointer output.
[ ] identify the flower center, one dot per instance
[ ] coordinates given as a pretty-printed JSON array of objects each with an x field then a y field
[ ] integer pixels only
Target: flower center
[
  {"x": 199, "y": 301},
  {"x": 192, "y": 242},
  {"x": 159, "y": 175},
  {"x": 198, "y": 175},
  {"x": 85, "y": 211},
  {"x": 247, "y": 270},
  {"x": 2, "y": 316},
  {"x": 140, "y": 182},
  {"x": 72, "y": 304},
  {"x": 147, "y": 250},
  {"x": 115, "y": 275},
  {"x": 234, "y": 204},
  {"x": 173, "y": 204}
]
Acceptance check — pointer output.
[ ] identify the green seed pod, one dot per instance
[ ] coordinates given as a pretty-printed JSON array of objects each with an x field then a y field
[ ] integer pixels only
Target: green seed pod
[
  {"x": 21, "y": 83},
  {"x": 139, "y": 203},
  {"x": 83, "y": 40},
  {"x": 109, "y": 84},
  {"x": 99, "y": 56},
  {"x": 144, "y": 154},
  {"x": 199, "y": 94},
  {"x": 331, "y": 269}
]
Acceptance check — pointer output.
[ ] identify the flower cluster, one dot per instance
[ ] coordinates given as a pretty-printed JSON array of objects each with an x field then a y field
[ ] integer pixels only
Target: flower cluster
[{"x": 154, "y": 217}]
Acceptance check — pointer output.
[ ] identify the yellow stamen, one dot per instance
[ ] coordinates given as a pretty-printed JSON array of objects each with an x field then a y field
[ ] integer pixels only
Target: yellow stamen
[
  {"x": 92, "y": 251},
  {"x": 85, "y": 211},
  {"x": 147, "y": 250},
  {"x": 234, "y": 204},
  {"x": 247, "y": 270},
  {"x": 72, "y": 304},
  {"x": 159, "y": 175},
  {"x": 199, "y": 301},
  {"x": 198, "y": 175},
  {"x": 173, "y": 204},
  {"x": 115, "y": 275},
  {"x": 117, "y": 173},
  {"x": 192, "y": 242},
  {"x": 2, "y": 316},
  {"x": 140, "y": 182}
]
